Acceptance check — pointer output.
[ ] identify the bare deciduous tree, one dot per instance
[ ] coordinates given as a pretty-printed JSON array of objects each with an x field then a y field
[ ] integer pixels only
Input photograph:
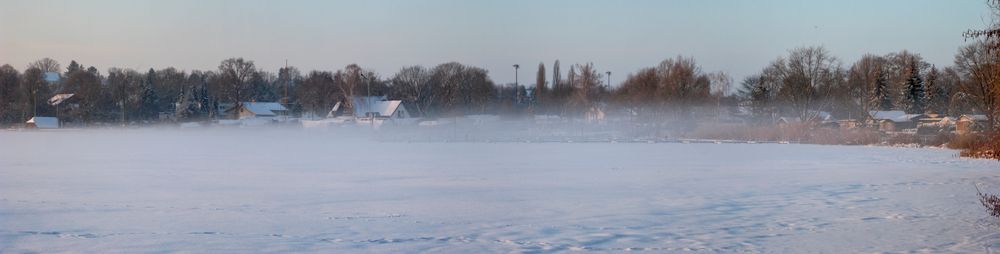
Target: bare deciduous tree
[
  {"x": 587, "y": 86},
  {"x": 236, "y": 75},
  {"x": 639, "y": 91},
  {"x": 801, "y": 77},
  {"x": 862, "y": 79},
  {"x": 318, "y": 92},
  {"x": 45, "y": 65},
  {"x": 978, "y": 67},
  {"x": 412, "y": 85}
]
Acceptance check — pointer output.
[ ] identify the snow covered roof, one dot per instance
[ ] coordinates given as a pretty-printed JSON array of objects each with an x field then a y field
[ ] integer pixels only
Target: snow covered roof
[
  {"x": 822, "y": 116},
  {"x": 59, "y": 98},
  {"x": 334, "y": 111},
  {"x": 375, "y": 104},
  {"x": 936, "y": 119},
  {"x": 789, "y": 120},
  {"x": 939, "y": 121},
  {"x": 43, "y": 122},
  {"x": 263, "y": 108},
  {"x": 52, "y": 76},
  {"x": 893, "y": 115}
]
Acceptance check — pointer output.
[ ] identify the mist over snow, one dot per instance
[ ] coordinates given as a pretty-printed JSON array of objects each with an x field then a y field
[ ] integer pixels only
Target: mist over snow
[
  {"x": 524, "y": 126},
  {"x": 331, "y": 191}
]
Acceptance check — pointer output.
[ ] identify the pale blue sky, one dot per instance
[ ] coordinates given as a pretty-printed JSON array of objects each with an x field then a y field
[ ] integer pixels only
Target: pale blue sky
[{"x": 738, "y": 36}]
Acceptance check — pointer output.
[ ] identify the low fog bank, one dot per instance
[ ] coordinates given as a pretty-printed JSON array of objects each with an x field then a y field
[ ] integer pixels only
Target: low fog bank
[
  {"x": 476, "y": 128},
  {"x": 536, "y": 129}
]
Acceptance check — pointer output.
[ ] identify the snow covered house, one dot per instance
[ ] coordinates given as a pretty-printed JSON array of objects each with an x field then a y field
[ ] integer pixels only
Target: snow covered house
[
  {"x": 894, "y": 120},
  {"x": 821, "y": 119},
  {"x": 787, "y": 121},
  {"x": 970, "y": 123},
  {"x": 595, "y": 114},
  {"x": 64, "y": 104},
  {"x": 934, "y": 124},
  {"x": 41, "y": 122},
  {"x": 819, "y": 116},
  {"x": 377, "y": 107},
  {"x": 258, "y": 110},
  {"x": 936, "y": 120}
]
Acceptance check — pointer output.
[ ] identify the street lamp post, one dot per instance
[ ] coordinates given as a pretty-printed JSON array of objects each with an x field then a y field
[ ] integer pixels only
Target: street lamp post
[
  {"x": 516, "y": 95},
  {"x": 368, "y": 101},
  {"x": 609, "y": 78},
  {"x": 288, "y": 75}
]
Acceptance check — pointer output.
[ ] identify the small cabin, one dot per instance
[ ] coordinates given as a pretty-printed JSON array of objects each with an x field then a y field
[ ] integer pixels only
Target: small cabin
[
  {"x": 894, "y": 120},
  {"x": 935, "y": 124},
  {"x": 971, "y": 123},
  {"x": 258, "y": 110},
  {"x": 783, "y": 122}
]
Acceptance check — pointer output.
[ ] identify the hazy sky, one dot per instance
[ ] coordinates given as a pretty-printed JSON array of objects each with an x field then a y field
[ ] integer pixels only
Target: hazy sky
[{"x": 738, "y": 37}]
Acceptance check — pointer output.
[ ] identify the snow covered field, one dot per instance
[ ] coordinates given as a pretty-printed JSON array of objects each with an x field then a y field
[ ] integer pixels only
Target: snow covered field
[{"x": 237, "y": 190}]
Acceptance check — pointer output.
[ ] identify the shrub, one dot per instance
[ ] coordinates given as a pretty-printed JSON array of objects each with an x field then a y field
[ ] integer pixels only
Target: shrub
[
  {"x": 990, "y": 201},
  {"x": 843, "y": 137},
  {"x": 977, "y": 145},
  {"x": 966, "y": 141}
]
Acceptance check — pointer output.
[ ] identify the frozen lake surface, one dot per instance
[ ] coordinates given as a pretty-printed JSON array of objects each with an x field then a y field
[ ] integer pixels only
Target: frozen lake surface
[{"x": 305, "y": 191}]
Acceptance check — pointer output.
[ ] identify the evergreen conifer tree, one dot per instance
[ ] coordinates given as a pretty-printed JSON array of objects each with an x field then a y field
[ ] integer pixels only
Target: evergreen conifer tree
[{"x": 915, "y": 93}]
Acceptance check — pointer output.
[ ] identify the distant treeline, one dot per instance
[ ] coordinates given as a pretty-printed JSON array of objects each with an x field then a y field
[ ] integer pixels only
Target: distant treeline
[
  {"x": 806, "y": 80},
  {"x": 810, "y": 79}
]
